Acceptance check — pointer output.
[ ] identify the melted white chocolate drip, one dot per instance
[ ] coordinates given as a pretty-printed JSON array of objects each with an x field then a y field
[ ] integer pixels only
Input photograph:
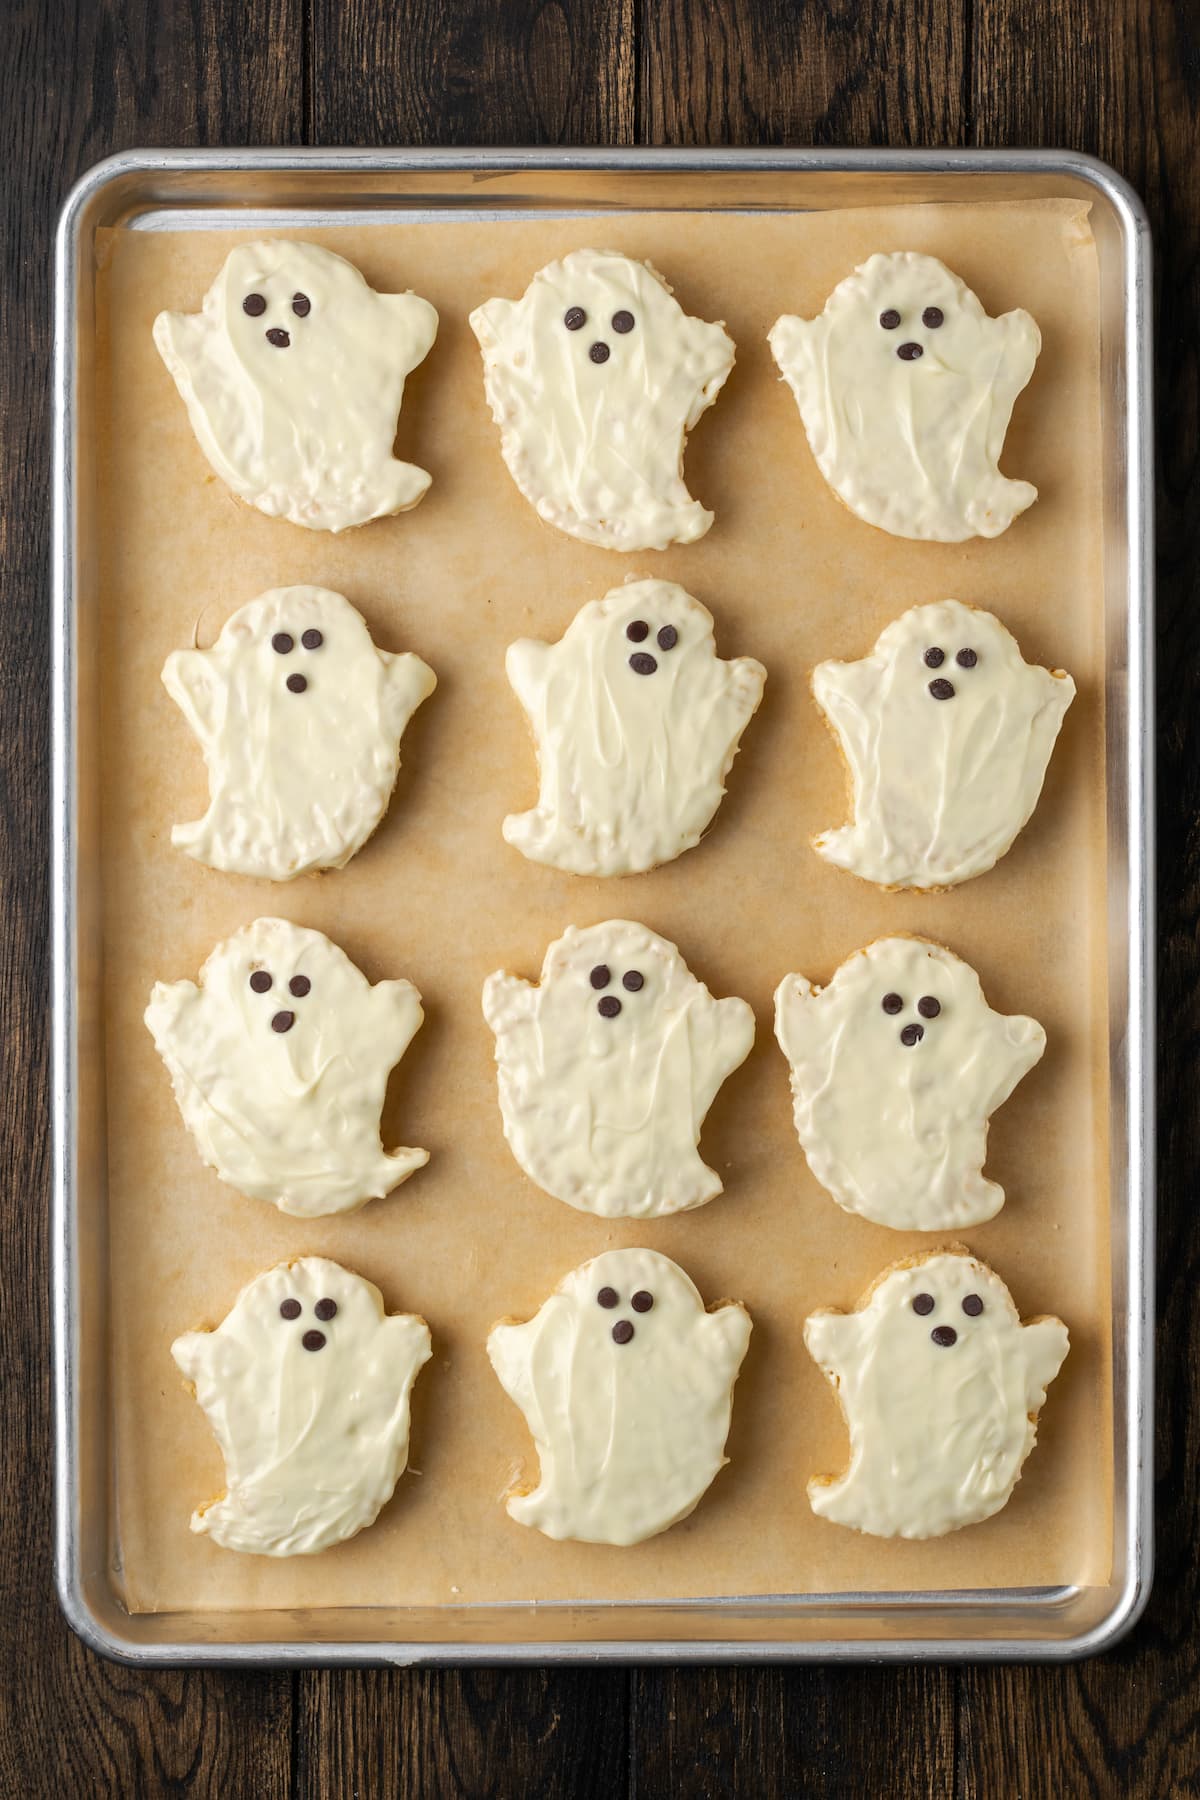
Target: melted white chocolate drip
[
  {"x": 941, "y": 1400},
  {"x": 911, "y": 442},
  {"x": 637, "y": 721},
  {"x": 628, "y": 1402},
  {"x": 297, "y": 780},
  {"x": 310, "y": 1410},
  {"x": 301, "y": 424},
  {"x": 608, "y": 1067},
  {"x": 891, "y": 1101},
  {"x": 597, "y": 445},
  {"x": 288, "y": 1115},
  {"x": 941, "y": 785}
]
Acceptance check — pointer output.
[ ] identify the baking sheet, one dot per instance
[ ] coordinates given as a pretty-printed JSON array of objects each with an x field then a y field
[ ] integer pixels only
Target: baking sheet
[{"x": 437, "y": 896}]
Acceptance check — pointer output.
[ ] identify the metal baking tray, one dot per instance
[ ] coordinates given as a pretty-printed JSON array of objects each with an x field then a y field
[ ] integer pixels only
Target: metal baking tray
[{"x": 221, "y": 188}]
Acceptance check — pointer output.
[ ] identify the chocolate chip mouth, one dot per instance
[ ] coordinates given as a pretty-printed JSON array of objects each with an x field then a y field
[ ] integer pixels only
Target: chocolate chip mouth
[
  {"x": 279, "y": 337},
  {"x": 642, "y": 663},
  {"x": 909, "y": 352},
  {"x": 622, "y": 1332},
  {"x": 313, "y": 1340},
  {"x": 599, "y": 353},
  {"x": 941, "y": 689},
  {"x": 943, "y": 1336}
]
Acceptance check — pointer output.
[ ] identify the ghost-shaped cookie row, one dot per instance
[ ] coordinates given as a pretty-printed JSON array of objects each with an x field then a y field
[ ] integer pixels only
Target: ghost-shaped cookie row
[
  {"x": 626, "y": 1382},
  {"x": 607, "y": 1066},
  {"x": 293, "y": 375}
]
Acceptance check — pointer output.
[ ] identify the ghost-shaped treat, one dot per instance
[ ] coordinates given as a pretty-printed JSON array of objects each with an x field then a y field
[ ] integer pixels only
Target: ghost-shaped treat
[
  {"x": 626, "y": 1383},
  {"x": 906, "y": 388},
  {"x": 595, "y": 377},
  {"x": 941, "y": 1385},
  {"x": 636, "y": 720},
  {"x": 293, "y": 373},
  {"x": 946, "y": 732},
  {"x": 280, "y": 1059},
  {"x": 896, "y": 1068},
  {"x": 306, "y": 1384},
  {"x": 300, "y": 719},
  {"x": 607, "y": 1068}
]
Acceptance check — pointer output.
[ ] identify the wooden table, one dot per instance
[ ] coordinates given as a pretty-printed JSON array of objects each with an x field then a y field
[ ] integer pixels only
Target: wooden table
[{"x": 1120, "y": 78}]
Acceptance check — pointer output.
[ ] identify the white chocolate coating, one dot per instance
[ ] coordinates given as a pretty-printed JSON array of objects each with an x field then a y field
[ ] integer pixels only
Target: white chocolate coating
[
  {"x": 897, "y": 1129},
  {"x": 605, "y": 1112},
  {"x": 938, "y": 1430},
  {"x": 629, "y": 1433},
  {"x": 912, "y": 446},
  {"x": 597, "y": 448},
  {"x": 632, "y": 765},
  {"x": 943, "y": 785},
  {"x": 302, "y": 430},
  {"x": 314, "y": 1439},
  {"x": 292, "y": 1115},
  {"x": 297, "y": 781}
]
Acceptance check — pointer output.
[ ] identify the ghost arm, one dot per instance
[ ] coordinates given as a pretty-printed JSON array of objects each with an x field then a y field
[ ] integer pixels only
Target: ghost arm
[
  {"x": 1044, "y": 1346},
  {"x": 802, "y": 1023},
  {"x": 397, "y": 1008},
  {"x": 408, "y": 1347},
  {"x": 205, "y": 1357},
  {"x": 414, "y": 325},
  {"x": 510, "y": 1350},
  {"x": 1020, "y": 1043},
  {"x": 1021, "y": 342},
  {"x": 720, "y": 1035},
  {"x": 198, "y": 689},
  {"x": 850, "y": 694},
  {"x": 726, "y": 1333},
  {"x": 831, "y": 1339},
  {"x": 181, "y": 340},
  {"x": 716, "y": 358},
  {"x": 490, "y": 322},
  {"x": 528, "y": 664},
  {"x": 508, "y": 1000},
  {"x": 793, "y": 344},
  {"x": 407, "y": 683},
  {"x": 167, "y": 1001}
]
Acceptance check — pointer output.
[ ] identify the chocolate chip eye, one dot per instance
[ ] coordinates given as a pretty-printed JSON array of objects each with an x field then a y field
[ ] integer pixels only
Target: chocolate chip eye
[
  {"x": 622, "y": 1332},
  {"x": 312, "y": 639},
  {"x": 934, "y": 658},
  {"x": 642, "y": 664},
  {"x": 889, "y": 319},
  {"x": 255, "y": 305},
  {"x": 637, "y": 631},
  {"x": 608, "y": 1297},
  {"x": 600, "y": 976},
  {"x": 633, "y": 980},
  {"x": 302, "y": 305},
  {"x": 283, "y": 1021},
  {"x": 932, "y": 317},
  {"x": 283, "y": 643},
  {"x": 966, "y": 659},
  {"x": 892, "y": 1003},
  {"x": 912, "y": 1034},
  {"x": 942, "y": 689},
  {"x": 278, "y": 337},
  {"x": 296, "y": 684},
  {"x": 609, "y": 1007},
  {"x": 972, "y": 1305},
  {"x": 313, "y": 1340},
  {"x": 928, "y": 1007},
  {"x": 299, "y": 985},
  {"x": 575, "y": 318},
  {"x": 622, "y": 322},
  {"x": 289, "y": 1309},
  {"x": 668, "y": 637},
  {"x": 943, "y": 1336},
  {"x": 599, "y": 353},
  {"x": 260, "y": 981},
  {"x": 325, "y": 1309},
  {"x": 923, "y": 1305},
  {"x": 642, "y": 1301}
]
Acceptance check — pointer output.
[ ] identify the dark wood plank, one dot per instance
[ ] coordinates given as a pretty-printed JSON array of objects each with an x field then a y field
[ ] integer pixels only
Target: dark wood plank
[
  {"x": 1122, "y": 78},
  {"x": 770, "y": 72},
  {"x": 476, "y": 1734},
  {"x": 76, "y": 83},
  {"x": 480, "y": 72}
]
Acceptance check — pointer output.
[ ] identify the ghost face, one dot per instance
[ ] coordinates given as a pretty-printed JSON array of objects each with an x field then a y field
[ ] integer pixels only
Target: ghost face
[
  {"x": 608, "y": 1067},
  {"x": 940, "y": 1384},
  {"x": 595, "y": 377},
  {"x": 626, "y": 1384},
  {"x": 293, "y": 375},
  {"x": 947, "y": 733},
  {"x": 906, "y": 388},
  {"x": 300, "y": 718},
  {"x": 306, "y": 1385},
  {"x": 896, "y": 1067},
  {"x": 280, "y": 1059},
  {"x": 636, "y": 721}
]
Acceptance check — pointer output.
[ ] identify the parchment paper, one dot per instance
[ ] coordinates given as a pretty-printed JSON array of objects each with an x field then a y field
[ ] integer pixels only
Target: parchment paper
[{"x": 439, "y": 897}]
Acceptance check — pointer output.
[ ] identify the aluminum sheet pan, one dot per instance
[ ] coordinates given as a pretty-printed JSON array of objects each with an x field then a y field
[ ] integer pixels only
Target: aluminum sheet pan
[{"x": 223, "y": 188}]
